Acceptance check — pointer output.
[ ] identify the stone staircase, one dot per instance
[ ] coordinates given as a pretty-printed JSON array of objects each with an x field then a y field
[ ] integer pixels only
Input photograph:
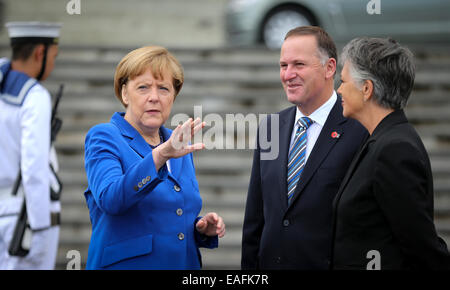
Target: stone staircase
[{"x": 221, "y": 81}]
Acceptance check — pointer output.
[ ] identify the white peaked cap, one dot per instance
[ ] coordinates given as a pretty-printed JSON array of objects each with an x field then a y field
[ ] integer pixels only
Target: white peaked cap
[{"x": 34, "y": 30}]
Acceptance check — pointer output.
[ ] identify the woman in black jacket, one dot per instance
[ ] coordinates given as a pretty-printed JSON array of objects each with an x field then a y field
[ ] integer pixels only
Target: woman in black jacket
[{"x": 383, "y": 212}]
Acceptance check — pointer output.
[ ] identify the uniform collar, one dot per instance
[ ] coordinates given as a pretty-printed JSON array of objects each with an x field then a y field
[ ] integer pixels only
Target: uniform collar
[{"x": 14, "y": 85}]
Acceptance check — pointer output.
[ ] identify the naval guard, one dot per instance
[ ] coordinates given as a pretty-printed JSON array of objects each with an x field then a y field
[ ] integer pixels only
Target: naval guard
[{"x": 29, "y": 213}]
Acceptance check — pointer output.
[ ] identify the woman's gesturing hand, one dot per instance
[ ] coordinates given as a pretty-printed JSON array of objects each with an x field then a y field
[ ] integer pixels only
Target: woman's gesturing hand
[
  {"x": 178, "y": 143},
  {"x": 211, "y": 225}
]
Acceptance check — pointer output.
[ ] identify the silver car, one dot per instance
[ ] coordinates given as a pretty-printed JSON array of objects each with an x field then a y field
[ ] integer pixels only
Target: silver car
[{"x": 252, "y": 22}]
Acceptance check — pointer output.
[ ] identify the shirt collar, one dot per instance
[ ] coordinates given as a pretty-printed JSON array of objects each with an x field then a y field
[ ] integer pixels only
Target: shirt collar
[{"x": 320, "y": 115}]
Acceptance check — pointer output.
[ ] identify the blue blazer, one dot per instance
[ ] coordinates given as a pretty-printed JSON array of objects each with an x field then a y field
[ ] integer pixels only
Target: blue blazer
[{"x": 141, "y": 218}]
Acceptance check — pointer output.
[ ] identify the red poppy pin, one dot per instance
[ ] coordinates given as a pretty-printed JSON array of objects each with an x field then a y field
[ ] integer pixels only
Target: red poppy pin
[{"x": 335, "y": 135}]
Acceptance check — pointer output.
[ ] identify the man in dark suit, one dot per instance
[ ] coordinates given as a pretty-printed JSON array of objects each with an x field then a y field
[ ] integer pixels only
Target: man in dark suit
[{"x": 288, "y": 216}]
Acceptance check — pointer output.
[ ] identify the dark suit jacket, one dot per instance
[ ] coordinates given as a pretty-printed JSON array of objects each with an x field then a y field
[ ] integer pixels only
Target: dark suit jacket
[
  {"x": 385, "y": 203},
  {"x": 298, "y": 236}
]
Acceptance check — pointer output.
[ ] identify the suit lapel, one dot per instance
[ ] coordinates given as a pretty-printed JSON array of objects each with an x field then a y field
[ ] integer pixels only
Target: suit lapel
[
  {"x": 175, "y": 163},
  {"x": 135, "y": 140},
  {"x": 390, "y": 120},
  {"x": 322, "y": 147},
  {"x": 138, "y": 144},
  {"x": 353, "y": 165},
  {"x": 351, "y": 169},
  {"x": 141, "y": 147}
]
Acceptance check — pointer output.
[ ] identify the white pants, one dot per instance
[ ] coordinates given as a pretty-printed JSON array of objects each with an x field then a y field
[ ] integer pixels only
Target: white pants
[{"x": 43, "y": 250}]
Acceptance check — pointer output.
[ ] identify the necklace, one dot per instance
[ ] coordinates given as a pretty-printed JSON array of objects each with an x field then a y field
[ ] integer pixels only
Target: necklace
[{"x": 161, "y": 140}]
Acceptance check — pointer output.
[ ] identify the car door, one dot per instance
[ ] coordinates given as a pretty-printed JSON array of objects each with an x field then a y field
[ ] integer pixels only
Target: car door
[{"x": 411, "y": 20}]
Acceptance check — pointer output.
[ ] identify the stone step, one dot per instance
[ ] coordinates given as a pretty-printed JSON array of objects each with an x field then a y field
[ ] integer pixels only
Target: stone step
[
  {"x": 106, "y": 108},
  {"x": 111, "y": 55},
  {"x": 227, "y": 162},
  {"x": 77, "y": 231},
  {"x": 235, "y": 198},
  {"x": 188, "y": 94},
  {"x": 78, "y": 177},
  {"x": 221, "y": 81},
  {"x": 428, "y": 98},
  {"x": 199, "y": 97},
  {"x": 429, "y": 114},
  {"x": 191, "y": 62},
  {"x": 211, "y": 257},
  {"x": 194, "y": 93},
  {"x": 208, "y": 161},
  {"x": 75, "y": 137},
  {"x": 232, "y": 200},
  {"x": 441, "y": 169},
  {"x": 238, "y": 78}
]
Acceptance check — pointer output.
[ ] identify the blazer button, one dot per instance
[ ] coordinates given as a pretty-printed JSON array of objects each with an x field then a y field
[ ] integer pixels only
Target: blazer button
[
  {"x": 147, "y": 178},
  {"x": 179, "y": 212},
  {"x": 144, "y": 181},
  {"x": 181, "y": 236},
  {"x": 140, "y": 184},
  {"x": 136, "y": 188},
  {"x": 177, "y": 188},
  {"x": 286, "y": 223}
]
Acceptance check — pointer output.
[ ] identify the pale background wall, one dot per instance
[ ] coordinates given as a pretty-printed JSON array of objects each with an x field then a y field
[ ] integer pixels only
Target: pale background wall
[{"x": 174, "y": 23}]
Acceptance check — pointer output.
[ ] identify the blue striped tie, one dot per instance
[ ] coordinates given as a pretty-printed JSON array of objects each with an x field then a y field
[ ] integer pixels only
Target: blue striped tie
[{"x": 297, "y": 155}]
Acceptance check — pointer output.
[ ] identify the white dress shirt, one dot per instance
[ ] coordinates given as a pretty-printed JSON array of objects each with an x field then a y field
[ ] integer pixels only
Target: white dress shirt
[{"x": 319, "y": 117}]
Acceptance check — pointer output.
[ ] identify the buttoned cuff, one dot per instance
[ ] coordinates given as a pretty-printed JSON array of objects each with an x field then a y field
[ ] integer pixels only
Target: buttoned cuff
[
  {"x": 204, "y": 241},
  {"x": 150, "y": 176}
]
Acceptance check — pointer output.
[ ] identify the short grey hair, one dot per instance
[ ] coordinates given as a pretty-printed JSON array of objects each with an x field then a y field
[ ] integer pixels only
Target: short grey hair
[{"x": 386, "y": 63}]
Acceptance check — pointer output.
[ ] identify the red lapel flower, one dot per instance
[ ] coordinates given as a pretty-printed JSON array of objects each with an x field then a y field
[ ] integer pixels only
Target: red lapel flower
[{"x": 335, "y": 135}]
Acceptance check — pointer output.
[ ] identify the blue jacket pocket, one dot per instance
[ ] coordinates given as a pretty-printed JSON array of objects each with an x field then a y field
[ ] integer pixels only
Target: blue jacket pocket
[{"x": 126, "y": 249}]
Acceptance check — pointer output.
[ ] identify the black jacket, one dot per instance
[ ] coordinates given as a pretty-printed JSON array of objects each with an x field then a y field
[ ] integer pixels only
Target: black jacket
[{"x": 385, "y": 203}]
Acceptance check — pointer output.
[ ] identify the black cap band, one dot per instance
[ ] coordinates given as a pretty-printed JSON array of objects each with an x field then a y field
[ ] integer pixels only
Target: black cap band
[
  {"x": 44, "y": 63},
  {"x": 43, "y": 40}
]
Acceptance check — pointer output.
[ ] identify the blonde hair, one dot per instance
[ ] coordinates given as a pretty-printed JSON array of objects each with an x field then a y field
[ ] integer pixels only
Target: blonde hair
[{"x": 156, "y": 58}]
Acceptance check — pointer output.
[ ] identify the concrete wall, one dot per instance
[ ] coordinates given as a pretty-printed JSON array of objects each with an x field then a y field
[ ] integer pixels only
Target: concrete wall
[{"x": 174, "y": 23}]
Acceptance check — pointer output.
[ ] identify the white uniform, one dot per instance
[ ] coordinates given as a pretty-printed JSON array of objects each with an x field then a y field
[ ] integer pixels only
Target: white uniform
[{"x": 25, "y": 112}]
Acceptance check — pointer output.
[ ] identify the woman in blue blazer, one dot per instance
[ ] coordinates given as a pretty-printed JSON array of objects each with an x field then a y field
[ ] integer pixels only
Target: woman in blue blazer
[{"x": 142, "y": 194}]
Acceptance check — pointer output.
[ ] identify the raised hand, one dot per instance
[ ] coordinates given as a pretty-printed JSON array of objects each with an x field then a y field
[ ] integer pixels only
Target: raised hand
[{"x": 178, "y": 143}]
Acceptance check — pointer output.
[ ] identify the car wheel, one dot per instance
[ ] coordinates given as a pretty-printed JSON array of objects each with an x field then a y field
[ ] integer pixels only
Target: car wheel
[{"x": 279, "y": 22}]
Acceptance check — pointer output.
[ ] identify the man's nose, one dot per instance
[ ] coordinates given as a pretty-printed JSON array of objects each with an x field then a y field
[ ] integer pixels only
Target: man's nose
[{"x": 289, "y": 73}]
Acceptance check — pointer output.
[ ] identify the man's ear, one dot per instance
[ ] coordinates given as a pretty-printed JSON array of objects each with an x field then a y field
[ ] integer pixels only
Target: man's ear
[
  {"x": 330, "y": 67},
  {"x": 38, "y": 53}
]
